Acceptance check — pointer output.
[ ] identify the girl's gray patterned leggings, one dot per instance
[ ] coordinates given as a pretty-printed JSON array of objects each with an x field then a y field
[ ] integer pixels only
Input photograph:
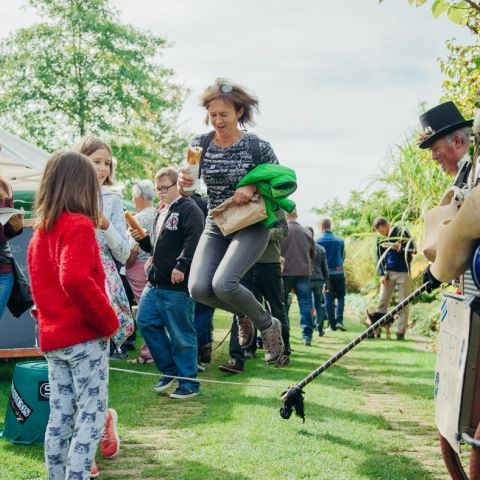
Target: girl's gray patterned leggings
[{"x": 78, "y": 378}]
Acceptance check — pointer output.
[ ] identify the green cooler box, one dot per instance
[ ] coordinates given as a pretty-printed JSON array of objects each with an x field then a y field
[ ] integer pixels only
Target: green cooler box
[{"x": 28, "y": 404}]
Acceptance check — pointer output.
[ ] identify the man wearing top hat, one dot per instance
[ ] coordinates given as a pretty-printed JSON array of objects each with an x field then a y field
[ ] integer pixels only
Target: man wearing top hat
[{"x": 446, "y": 133}]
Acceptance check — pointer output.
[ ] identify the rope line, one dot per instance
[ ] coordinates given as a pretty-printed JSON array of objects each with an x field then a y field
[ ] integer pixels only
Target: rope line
[
  {"x": 366, "y": 333},
  {"x": 222, "y": 341},
  {"x": 200, "y": 380}
]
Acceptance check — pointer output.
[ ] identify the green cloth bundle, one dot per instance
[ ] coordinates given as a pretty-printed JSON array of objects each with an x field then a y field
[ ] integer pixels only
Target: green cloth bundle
[{"x": 274, "y": 183}]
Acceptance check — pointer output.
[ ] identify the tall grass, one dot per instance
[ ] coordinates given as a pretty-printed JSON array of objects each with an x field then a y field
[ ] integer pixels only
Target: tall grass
[{"x": 414, "y": 177}]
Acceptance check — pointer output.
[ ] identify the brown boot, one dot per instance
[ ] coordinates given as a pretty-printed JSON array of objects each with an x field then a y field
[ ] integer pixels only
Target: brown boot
[
  {"x": 246, "y": 331},
  {"x": 272, "y": 341},
  {"x": 205, "y": 353}
]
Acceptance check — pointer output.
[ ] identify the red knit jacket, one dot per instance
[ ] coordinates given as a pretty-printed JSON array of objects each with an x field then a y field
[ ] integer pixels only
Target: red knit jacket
[{"x": 68, "y": 284}]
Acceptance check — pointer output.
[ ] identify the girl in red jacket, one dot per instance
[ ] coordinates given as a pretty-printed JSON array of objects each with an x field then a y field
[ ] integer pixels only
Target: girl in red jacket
[{"x": 74, "y": 314}]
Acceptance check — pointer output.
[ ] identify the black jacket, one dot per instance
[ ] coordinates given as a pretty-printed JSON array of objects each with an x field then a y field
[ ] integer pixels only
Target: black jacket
[
  {"x": 390, "y": 260},
  {"x": 176, "y": 243}
]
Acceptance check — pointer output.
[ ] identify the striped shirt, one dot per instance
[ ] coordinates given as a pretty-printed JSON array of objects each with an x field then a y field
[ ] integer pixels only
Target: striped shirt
[{"x": 222, "y": 168}]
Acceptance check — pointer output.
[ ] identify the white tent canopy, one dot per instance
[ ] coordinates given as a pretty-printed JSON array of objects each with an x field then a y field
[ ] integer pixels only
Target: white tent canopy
[{"x": 21, "y": 162}]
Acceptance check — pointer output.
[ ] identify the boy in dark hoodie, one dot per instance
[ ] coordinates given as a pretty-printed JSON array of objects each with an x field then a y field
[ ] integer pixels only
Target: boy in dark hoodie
[{"x": 166, "y": 311}]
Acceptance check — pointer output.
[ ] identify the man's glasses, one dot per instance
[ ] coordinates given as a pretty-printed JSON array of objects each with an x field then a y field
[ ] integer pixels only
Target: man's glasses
[
  {"x": 164, "y": 188},
  {"x": 222, "y": 88}
]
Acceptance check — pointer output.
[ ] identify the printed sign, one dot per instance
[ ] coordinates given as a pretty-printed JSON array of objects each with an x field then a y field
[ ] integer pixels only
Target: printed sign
[
  {"x": 450, "y": 368},
  {"x": 43, "y": 391},
  {"x": 19, "y": 406}
]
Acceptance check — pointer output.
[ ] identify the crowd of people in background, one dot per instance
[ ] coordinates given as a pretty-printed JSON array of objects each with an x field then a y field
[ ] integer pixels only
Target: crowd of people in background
[{"x": 92, "y": 273}]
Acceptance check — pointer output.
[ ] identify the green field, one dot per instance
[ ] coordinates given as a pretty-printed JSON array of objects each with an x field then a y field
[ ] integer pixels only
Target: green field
[{"x": 369, "y": 417}]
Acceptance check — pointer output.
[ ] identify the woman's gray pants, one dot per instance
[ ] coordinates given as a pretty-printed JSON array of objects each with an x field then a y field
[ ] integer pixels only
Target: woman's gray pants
[{"x": 220, "y": 263}]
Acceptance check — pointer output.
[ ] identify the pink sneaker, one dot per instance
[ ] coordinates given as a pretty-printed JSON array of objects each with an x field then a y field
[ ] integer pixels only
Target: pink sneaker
[{"x": 110, "y": 442}]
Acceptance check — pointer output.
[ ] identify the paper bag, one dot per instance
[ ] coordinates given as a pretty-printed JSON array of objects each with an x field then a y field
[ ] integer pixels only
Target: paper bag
[{"x": 230, "y": 217}]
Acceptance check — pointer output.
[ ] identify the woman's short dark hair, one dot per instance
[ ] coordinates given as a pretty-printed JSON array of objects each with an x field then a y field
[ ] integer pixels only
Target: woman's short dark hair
[
  {"x": 231, "y": 92},
  {"x": 69, "y": 184}
]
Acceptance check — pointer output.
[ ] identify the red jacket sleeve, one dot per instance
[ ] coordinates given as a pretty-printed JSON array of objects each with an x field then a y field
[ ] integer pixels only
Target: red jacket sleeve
[{"x": 78, "y": 259}]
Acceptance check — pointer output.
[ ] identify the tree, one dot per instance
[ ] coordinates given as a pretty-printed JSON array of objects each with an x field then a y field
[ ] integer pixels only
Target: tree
[
  {"x": 462, "y": 72},
  {"x": 82, "y": 71},
  {"x": 463, "y": 12}
]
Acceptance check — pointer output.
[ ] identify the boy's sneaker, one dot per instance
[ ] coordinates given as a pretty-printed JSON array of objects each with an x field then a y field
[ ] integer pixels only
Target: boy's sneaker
[
  {"x": 164, "y": 384},
  {"x": 273, "y": 346},
  {"x": 183, "y": 392},
  {"x": 110, "y": 442},
  {"x": 94, "y": 472},
  {"x": 341, "y": 327},
  {"x": 231, "y": 367}
]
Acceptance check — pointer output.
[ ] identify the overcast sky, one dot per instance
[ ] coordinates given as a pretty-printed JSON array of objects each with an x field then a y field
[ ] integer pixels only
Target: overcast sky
[{"x": 339, "y": 82}]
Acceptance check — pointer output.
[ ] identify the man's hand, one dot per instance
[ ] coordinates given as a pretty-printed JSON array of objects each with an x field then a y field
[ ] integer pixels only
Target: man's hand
[
  {"x": 177, "y": 276},
  {"x": 133, "y": 257},
  {"x": 396, "y": 246},
  {"x": 384, "y": 280},
  {"x": 244, "y": 194},
  {"x": 16, "y": 222}
]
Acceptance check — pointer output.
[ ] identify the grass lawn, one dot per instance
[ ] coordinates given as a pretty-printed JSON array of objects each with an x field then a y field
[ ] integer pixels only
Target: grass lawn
[{"x": 236, "y": 433}]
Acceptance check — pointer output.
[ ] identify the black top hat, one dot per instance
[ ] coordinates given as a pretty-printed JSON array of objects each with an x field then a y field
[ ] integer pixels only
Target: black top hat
[{"x": 440, "y": 121}]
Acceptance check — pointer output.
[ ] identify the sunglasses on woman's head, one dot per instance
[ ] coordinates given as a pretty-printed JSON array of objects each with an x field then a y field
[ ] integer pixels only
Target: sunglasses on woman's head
[{"x": 222, "y": 88}]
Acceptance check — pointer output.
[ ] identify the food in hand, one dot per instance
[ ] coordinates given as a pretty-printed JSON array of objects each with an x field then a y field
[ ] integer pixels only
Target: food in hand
[
  {"x": 194, "y": 156},
  {"x": 132, "y": 222}
]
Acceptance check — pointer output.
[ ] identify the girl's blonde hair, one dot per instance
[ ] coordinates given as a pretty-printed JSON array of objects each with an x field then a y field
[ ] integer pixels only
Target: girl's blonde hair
[
  {"x": 88, "y": 145},
  {"x": 69, "y": 184}
]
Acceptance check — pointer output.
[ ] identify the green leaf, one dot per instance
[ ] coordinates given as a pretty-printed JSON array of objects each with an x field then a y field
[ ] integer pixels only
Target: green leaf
[
  {"x": 419, "y": 3},
  {"x": 459, "y": 12},
  {"x": 438, "y": 7}
]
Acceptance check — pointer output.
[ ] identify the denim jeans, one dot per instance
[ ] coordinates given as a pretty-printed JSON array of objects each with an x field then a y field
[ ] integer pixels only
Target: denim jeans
[
  {"x": 304, "y": 296},
  {"x": 6, "y": 285},
  {"x": 336, "y": 290},
  {"x": 165, "y": 318},
  {"x": 318, "y": 302},
  {"x": 203, "y": 323}
]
